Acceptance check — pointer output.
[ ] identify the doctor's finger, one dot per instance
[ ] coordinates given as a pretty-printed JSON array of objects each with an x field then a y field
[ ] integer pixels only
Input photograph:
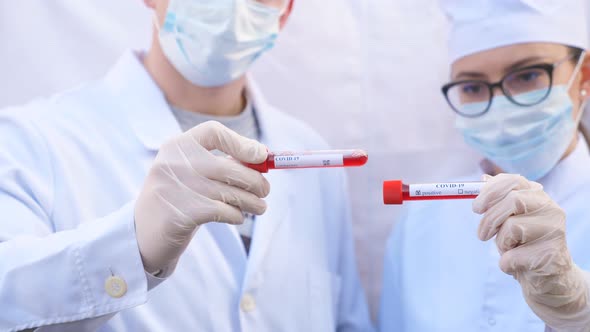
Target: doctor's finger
[
  {"x": 211, "y": 210},
  {"x": 242, "y": 199},
  {"x": 199, "y": 185},
  {"x": 188, "y": 208},
  {"x": 498, "y": 187},
  {"x": 204, "y": 164},
  {"x": 235, "y": 174},
  {"x": 520, "y": 230},
  {"x": 515, "y": 203},
  {"x": 517, "y": 260},
  {"x": 214, "y": 136},
  {"x": 228, "y": 214},
  {"x": 541, "y": 256}
]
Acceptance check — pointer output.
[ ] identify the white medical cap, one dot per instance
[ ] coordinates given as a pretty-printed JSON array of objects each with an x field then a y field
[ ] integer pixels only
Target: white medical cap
[{"x": 479, "y": 25}]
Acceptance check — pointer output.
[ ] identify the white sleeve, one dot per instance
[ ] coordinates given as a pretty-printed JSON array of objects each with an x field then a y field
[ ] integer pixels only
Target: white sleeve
[
  {"x": 90, "y": 324},
  {"x": 61, "y": 277},
  {"x": 49, "y": 277}
]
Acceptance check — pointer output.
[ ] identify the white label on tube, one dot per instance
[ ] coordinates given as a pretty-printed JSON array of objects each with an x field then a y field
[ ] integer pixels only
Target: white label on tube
[
  {"x": 445, "y": 189},
  {"x": 309, "y": 160}
]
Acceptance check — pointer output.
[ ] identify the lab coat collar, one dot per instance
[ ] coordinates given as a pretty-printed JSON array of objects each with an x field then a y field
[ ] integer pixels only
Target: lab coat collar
[
  {"x": 149, "y": 113},
  {"x": 570, "y": 174},
  {"x": 145, "y": 105},
  {"x": 265, "y": 115}
]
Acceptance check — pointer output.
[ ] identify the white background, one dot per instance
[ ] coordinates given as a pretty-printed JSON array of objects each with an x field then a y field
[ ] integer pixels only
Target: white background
[{"x": 365, "y": 73}]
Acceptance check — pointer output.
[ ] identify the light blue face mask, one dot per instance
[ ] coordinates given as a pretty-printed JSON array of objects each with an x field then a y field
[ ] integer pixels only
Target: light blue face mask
[
  {"x": 528, "y": 141},
  {"x": 213, "y": 42}
]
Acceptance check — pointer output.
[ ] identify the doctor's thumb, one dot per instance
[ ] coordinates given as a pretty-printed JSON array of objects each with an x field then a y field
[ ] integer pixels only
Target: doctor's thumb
[{"x": 215, "y": 136}]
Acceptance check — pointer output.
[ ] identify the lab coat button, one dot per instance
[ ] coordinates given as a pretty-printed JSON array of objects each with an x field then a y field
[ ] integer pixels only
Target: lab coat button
[
  {"x": 248, "y": 304},
  {"x": 491, "y": 321},
  {"x": 115, "y": 286}
]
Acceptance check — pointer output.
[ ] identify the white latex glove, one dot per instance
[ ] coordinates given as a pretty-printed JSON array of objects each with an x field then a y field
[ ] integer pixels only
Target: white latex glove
[
  {"x": 188, "y": 186},
  {"x": 530, "y": 234}
]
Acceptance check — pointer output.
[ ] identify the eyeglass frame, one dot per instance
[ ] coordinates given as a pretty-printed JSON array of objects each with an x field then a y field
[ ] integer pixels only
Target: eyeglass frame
[{"x": 549, "y": 68}]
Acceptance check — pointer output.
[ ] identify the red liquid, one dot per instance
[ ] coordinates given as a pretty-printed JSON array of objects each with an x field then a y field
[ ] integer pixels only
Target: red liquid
[{"x": 321, "y": 159}]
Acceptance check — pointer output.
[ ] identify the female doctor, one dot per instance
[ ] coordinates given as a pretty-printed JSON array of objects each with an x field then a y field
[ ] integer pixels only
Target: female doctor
[{"x": 520, "y": 79}]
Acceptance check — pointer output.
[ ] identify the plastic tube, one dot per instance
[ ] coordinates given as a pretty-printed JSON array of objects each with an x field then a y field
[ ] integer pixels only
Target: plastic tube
[
  {"x": 312, "y": 159},
  {"x": 395, "y": 192}
]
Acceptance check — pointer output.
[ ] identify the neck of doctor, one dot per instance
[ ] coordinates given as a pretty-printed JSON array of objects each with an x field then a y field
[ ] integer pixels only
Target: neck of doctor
[{"x": 226, "y": 100}]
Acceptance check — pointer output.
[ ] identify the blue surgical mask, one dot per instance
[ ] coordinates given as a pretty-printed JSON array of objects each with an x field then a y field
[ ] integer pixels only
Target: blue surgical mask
[
  {"x": 528, "y": 141},
  {"x": 213, "y": 42}
]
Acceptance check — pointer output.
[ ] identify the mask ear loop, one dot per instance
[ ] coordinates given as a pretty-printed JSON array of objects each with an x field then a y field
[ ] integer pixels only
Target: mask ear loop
[
  {"x": 584, "y": 102},
  {"x": 285, "y": 7},
  {"x": 581, "y": 128},
  {"x": 159, "y": 28},
  {"x": 576, "y": 70},
  {"x": 582, "y": 110},
  {"x": 156, "y": 23}
]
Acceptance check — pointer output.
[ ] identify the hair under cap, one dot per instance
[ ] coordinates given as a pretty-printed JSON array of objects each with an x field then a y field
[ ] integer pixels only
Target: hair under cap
[{"x": 479, "y": 25}]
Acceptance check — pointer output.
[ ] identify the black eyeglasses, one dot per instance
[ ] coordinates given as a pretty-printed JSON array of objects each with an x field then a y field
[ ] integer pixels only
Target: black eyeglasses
[{"x": 524, "y": 87}]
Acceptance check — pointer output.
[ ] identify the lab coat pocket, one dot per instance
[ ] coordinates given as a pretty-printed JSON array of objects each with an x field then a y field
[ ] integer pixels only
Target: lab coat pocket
[{"x": 324, "y": 298}]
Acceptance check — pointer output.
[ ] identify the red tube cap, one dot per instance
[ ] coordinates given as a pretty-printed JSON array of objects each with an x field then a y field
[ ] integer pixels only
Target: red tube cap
[{"x": 392, "y": 192}]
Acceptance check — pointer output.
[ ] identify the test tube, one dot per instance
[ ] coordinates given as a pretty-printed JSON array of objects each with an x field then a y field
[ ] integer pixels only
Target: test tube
[
  {"x": 312, "y": 159},
  {"x": 396, "y": 192}
]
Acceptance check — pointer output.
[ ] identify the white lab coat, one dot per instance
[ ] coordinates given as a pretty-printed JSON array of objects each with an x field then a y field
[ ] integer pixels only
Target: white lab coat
[
  {"x": 440, "y": 277},
  {"x": 70, "y": 168}
]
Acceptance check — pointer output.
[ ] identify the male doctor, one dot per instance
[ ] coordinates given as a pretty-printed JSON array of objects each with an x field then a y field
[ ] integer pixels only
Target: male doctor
[{"x": 103, "y": 189}]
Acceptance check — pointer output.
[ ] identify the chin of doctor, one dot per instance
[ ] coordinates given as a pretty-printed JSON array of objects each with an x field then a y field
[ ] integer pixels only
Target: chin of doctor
[
  {"x": 520, "y": 106},
  {"x": 201, "y": 51}
]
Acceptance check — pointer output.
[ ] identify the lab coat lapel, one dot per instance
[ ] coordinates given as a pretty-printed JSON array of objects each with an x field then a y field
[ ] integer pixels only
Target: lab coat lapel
[
  {"x": 267, "y": 224},
  {"x": 278, "y": 207},
  {"x": 231, "y": 247},
  {"x": 152, "y": 120}
]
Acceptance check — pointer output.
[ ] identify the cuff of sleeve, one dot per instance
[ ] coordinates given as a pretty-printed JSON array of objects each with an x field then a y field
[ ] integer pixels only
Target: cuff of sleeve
[
  {"x": 112, "y": 253},
  {"x": 96, "y": 271},
  {"x": 152, "y": 280}
]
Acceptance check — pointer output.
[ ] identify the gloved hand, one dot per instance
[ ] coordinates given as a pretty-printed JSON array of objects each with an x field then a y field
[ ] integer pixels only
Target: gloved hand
[
  {"x": 530, "y": 234},
  {"x": 188, "y": 186}
]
